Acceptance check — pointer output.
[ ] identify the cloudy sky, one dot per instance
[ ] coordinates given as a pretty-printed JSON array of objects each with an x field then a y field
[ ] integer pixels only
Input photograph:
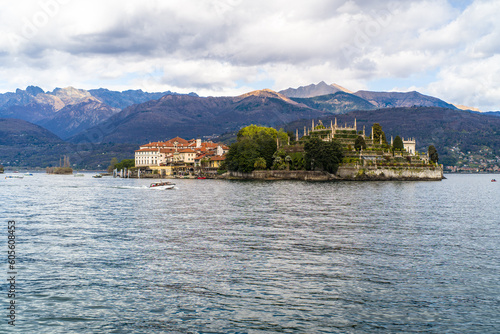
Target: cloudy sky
[{"x": 448, "y": 49}]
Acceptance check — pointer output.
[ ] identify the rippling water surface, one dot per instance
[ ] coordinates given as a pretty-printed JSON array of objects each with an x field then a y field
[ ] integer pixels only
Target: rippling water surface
[{"x": 111, "y": 256}]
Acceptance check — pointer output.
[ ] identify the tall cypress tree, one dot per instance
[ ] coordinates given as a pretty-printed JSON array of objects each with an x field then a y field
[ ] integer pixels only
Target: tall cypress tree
[
  {"x": 398, "y": 144},
  {"x": 433, "y": 154}
]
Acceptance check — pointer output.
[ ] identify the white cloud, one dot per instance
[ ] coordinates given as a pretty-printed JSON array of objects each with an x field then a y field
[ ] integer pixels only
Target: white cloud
[{"x": 225, "y": 47}]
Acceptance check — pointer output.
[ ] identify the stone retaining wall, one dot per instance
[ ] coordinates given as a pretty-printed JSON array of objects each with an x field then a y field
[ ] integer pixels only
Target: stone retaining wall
[
  {"x": 351, "y": 173},
  {"x": 391, "y": 173},
  {"x": 282, "y": 175}
]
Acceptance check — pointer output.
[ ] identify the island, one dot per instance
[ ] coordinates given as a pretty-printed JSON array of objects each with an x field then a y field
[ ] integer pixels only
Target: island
[
  {"x": 334, "y": 152},
  {"x": 63, "y": 169},
  {"x": 319, "y": 153}
]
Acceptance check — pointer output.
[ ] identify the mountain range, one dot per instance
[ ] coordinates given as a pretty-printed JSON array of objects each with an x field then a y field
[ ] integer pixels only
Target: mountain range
[
  {"x": 107, "y": 119},
  {"x": 67, "y": 111},
  {"x": 192, "y": 116}
]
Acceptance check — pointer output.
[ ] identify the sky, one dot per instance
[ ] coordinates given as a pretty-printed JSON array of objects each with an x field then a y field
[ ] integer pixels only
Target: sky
[{"x": 447, "y": 49}]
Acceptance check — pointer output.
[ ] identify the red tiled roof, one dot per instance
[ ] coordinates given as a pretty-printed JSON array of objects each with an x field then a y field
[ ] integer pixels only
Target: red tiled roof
[
  {"x": 218, "y": 158},
  {"x": 204, "y": 155},
  {"x": 150, "y": 144},
  {"x": 167, "y": 150},
  {"x": 187, "y": 150},
  {"x": 208, "y": 145},
  {"x": 182, "y": 142},
  {"x": 147, "y": 150}
]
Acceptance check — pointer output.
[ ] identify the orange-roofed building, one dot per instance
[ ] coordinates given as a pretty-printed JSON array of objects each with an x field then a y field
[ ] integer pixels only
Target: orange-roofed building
[
  {"x": 178, "y": 154},
  {"x": 216, "y": 161}
]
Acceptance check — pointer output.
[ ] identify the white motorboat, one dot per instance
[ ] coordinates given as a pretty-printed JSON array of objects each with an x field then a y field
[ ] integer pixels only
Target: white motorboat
[{"x": 162, "y": 185}]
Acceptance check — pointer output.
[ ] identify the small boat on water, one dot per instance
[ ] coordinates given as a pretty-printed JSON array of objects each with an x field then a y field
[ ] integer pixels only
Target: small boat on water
[
  {"x": 162, "y": 185},
  {"x": 14, "y": 177},
  {"x": 28, "y": 174},
  {"x": 97, "y": 176},
  {"x": 493, "y": 180},
  {"x": 79, "y": 175},
  {"x": 201, "y": 177}
]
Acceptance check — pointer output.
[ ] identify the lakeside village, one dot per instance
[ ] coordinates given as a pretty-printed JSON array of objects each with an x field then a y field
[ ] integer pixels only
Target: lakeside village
[{"x": 320, "y": 153}]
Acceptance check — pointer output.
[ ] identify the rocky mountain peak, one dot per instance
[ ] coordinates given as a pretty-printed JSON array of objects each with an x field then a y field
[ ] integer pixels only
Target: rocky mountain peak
[
  {"x": 34, "y": 90},
  {"x": 70, "y": 95},
  {"x": 313, "y": 90},
  {"x": 266, "y": 93}
]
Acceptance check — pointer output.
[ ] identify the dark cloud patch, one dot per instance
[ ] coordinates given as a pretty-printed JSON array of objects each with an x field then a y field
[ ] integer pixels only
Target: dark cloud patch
[{"x": 146, "y": 33}]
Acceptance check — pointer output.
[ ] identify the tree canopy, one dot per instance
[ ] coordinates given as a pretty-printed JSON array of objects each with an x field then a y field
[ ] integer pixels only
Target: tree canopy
[
  {"x": 253, "y": 131},
  {"x": 323, "y": 155},
  {"x": 256, "y": 148},
  {"x": 398, "y": 144},
  {"x": 254, "y": 142},
  {"x": 433, "y": 154},
  {"x": 242, "y": 155},
  {"x": 378, "y": 133},
  {"x": 359, "y": 144},
  {"x": 125, "y": 163},
  {"x": 260, "y": 163}
]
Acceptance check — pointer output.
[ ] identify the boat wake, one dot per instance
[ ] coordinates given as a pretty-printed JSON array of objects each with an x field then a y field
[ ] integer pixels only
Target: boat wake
[{"x": 130, "y": 187}]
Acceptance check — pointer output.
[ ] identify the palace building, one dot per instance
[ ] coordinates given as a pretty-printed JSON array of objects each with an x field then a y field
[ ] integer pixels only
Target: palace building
[{"x": 347, "y": 135}]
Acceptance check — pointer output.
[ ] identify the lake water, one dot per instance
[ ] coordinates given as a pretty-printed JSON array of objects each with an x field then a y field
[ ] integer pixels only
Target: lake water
[{"x": 111, "y": 256}]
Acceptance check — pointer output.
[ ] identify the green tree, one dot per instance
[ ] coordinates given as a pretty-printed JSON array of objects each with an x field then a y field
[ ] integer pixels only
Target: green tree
[
  {"x": 266, "y": 146},
  {"x": 252, "y": 131},
  {"x": 112, "y": 164},
  {"x": 298, "y": 162},
  {"x": 279, "y": 159},
  {"x": 254, "y": 142},
  {"x": 398, "y": 144},
  {"x": 222, "y": 168},
  {"x": 321, "y": 155},
  {"x": 312, "y": 148},
  {"x": 360, "y": 144},
  {"x": 242, "y": 155},
  {"x": 433, "y": 154},
  {"x": 125, "y": 163},
  {"x": 283, "y": 137},
  {"x": 260, "y": 163},
  {"x": 378, "y": 133},
  {"x": 333, "y": 156}
]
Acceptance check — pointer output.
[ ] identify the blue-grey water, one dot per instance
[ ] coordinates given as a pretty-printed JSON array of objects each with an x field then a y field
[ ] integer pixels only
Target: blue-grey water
[{"x": 111, "y": 256}]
